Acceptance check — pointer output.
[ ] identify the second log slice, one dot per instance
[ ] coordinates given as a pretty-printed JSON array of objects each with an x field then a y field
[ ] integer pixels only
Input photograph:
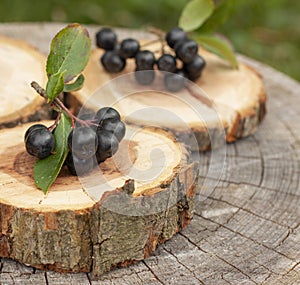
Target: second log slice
[{"x": 224, "y": 104}]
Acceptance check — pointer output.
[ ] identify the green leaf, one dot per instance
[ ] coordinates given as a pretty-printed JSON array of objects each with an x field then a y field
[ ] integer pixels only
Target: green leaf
[
  {"x": 221, "y": 13},
  {"x": 55, "y": 85},
  {"x": 46, "y": 170},
  {"x": 195, "y": 13},
  {"x": 70, "y": 51},
  {"x": 219, "y": 47},
  {"x": 76, "y": 85}
]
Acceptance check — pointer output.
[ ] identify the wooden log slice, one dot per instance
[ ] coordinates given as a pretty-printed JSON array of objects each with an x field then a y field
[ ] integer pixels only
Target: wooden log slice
[
  {"x": 20, "y": 64},
  {"x": 229, "y": 99},
  {"x": 115, "y": 216}
]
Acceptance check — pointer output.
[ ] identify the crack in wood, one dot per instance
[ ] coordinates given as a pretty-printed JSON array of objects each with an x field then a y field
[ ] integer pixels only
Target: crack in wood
[
  {"x": 248, "y": 211},
  {"x": 250, "y": 239},
  {"x": 153, "y": 273},
  {"x": 217, "y": 256},
  {"x": 185, "y": 266}
]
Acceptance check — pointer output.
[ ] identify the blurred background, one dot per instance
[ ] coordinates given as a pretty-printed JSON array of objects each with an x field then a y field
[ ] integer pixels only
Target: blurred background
[{"x": 266, "y": 30}]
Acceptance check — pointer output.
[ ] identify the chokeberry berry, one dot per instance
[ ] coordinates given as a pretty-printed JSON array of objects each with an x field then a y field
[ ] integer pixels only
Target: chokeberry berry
[
  {"x": 33, "y": 127},
  {"x": 108, "y": 145},
  {"x": 186, "y": 50},
  {"x": 83, "y": 142},
  {"x": 118, "y": 128},
  {"x": 174, "y": 36},
  {"x": 144, "y": 77},
  {"x": 107, "y": 113},
  {"x": 40, "y": 142},
  {"x": 167, "y": 62},
  {"x": 113, "y": 62},
  {"x": 195, "y": 67},
  {"x": 145, "y": 60},
  {"x": 77, "y": 166},
  {"x": 106, "y": 39},
  {"x": 174, "y": 81},
  {"x": 129, "y": 48}
]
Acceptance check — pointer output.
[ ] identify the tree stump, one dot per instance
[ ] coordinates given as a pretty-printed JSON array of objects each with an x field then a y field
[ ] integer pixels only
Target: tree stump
[
  {"x": 222, "y": 99},
  {"x": 246, "y": 231},
  {"x": 115, "y": 216},
  {"x": 18, "y": 102}
]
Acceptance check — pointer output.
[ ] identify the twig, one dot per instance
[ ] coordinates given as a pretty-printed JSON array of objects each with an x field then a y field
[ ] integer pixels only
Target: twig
[
  {"x": 52, "y": 127},
  {"x": 60, "y": 105},
  {"x": 161, "y": 37}
]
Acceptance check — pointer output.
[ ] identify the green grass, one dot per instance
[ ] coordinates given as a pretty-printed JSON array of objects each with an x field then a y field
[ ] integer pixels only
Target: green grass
[{"x": 267, "y": 30}]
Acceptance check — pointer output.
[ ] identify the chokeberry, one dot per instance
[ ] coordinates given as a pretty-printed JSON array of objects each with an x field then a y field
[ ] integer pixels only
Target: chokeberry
[
  {"x": 145, "y": 60},
  {"x": 33, "y": 127},
  {"x": 174, "y": 36},
  {"x": 195, "y": 67},
  {"x": 108, "y": 145},
  {"x": 112, "y": 61},
  {"x": 40, "y": 142},
  {"x": 186, "y": 50},
  {"x": 77, "y": 166},
  {"x": 83, "y": 142},
  {"x": 144, "y": 77},
  {"x": 106, "y": 113},
  {"x": 167, "y": 62},
  {"x": 129, "y": 48},
  {"x": 174, "y": 81},
  {"x": 118, "y": 128},
  {"x": 106, "y": 39}
]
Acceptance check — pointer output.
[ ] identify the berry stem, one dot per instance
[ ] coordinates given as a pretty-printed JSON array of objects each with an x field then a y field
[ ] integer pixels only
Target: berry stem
[
  {"x": 161, "y": 37},
  {"x": 52, "y": 127},
  {"x": 60, "y": 105},
  {"x": 150, "y": 43}
]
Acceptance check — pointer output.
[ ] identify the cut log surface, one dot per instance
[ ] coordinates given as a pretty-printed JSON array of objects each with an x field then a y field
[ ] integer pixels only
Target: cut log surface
[
  {"x": 223, "y": 98},
  {"x": 116, "y": 215},
  {"x": 20, "y": 64},
  {"x": 245, "y": 230}
]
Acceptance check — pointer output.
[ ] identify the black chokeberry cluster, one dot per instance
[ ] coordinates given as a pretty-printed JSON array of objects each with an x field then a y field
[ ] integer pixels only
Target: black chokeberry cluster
[
  {"x": 89, "y": 144},
  {"x": 182, "y": 62}
]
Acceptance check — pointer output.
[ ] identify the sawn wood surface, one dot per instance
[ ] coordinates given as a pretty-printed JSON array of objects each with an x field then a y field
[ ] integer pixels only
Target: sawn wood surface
[{"x": 246, "y": 227}]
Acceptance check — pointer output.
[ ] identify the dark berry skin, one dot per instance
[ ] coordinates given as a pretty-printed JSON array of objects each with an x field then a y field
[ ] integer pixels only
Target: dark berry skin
[
  {"x": 106, "y": 113},
  {"x": 144, "y": 77},
  {"x": 40, "y": 142},
  {"x": 83, "y": 142},
  {"x": 167, "y": 62},
  {"x": 112, "y": 62},
  {"x": 195, "y": 67},
  {"x": 108, "y": 145},
  {"x": 145, "y": 60},
  {"x": 186, "y": 50},
  {"x": 129, "y": 48},
  {"x": 118, "y": 128},
  {"x": 33, "y": 127},
  {"x": 174, "y": 81},
  {"x": 77, "y": 166},
  {"x": 106, "y": 39},
  {"x": 174, "y": 36}
]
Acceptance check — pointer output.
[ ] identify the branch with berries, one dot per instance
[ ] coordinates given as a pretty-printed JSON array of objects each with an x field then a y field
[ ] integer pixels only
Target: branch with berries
[
  {"x": 181, "y": 61},
  {"x": 80, "y": 143}
]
